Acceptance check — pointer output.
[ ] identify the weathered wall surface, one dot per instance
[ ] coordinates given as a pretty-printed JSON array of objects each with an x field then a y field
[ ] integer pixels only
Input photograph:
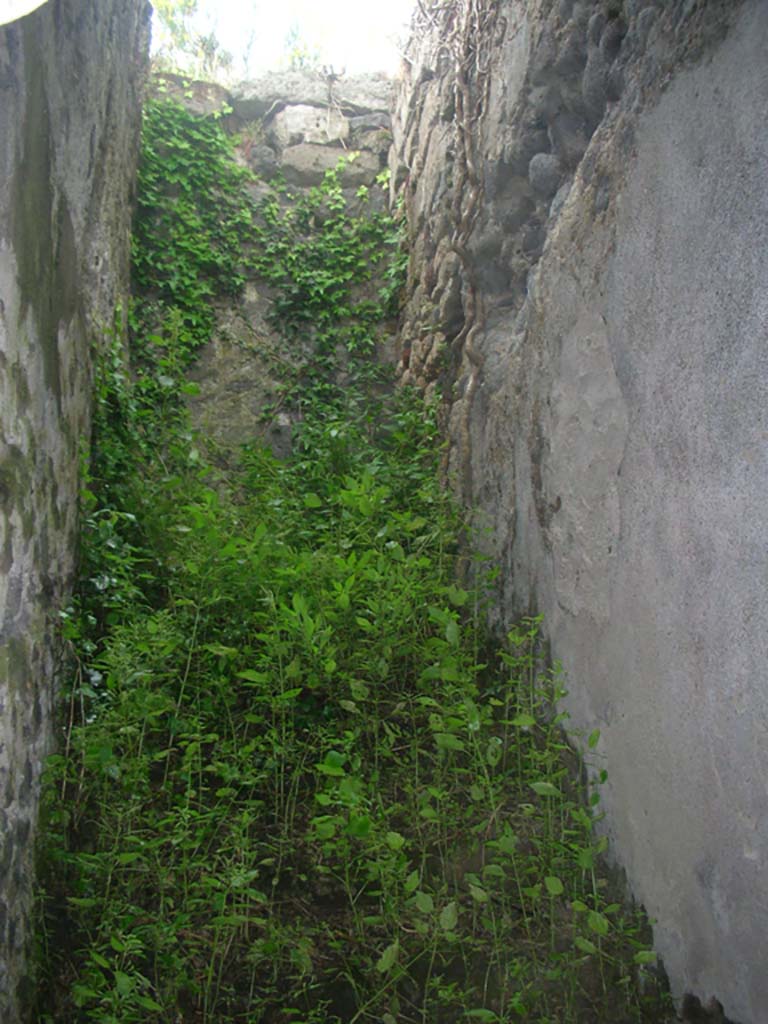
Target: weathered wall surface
[
  {"x": 296, "y": 124},
  {"x": 69, "y": 119},
  {"x": 601, "y": 335}
]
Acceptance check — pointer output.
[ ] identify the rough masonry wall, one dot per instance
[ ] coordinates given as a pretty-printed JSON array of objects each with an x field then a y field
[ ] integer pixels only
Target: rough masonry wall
[
  {"x": 601, "y": 338},
  {"x": 293, "y": 125},
  {"x": 69, "y": 117}
]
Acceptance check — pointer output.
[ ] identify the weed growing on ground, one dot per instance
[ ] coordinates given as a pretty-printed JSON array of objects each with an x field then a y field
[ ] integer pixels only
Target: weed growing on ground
[{"x": 297, "y": 783}]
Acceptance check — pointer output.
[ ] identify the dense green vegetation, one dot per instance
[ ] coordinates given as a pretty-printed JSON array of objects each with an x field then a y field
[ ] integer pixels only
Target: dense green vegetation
[{"x": 296, "y": 783}]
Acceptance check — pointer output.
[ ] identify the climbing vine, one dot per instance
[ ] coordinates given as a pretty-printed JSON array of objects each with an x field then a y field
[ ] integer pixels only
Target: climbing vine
[
  {"x": 191, "y": 221},
  {"x": 336, "y": 276}
]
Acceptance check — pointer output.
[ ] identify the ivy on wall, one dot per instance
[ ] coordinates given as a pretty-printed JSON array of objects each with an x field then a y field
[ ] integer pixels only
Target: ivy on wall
[{"x": 191, "y": 221}]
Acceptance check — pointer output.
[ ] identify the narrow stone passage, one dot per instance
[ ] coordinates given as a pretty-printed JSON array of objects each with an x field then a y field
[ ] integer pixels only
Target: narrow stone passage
[
  {"x": 300, "y": 782},
  {"x": 381, "y": 556}
]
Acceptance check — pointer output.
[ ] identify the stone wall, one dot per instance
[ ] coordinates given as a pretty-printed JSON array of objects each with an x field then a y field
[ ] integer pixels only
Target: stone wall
[
  {"x": 587, "y": 193},
  {"x": 293, "y": 125},
  {"x": 69, "y": 118}
]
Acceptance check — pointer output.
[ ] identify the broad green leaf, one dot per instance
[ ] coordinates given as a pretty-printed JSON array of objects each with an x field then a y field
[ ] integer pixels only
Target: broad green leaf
[
  {"x": 148, "y": 1004},
  {"x": 221, "y": 650},
  {"x": 388, "y": 958},
  {"x": 359, "y": 690},
  {"x": 554, "y": 885},
  {"x": 508, "y": 842},
  {"x": 325, "y": 826},
  {"x": 447, "y": 741},
  {"x": 493, "y": 871},
  {"x": 128, "y": 858},
  {"x": 287, "y": 695},
  {"x": 545, "y": 789},
  {"x": 449, "y": 916},
  {"x": 412, "y": 881},
  {"x": 251, "y": 676},
  {"x": 359, "y": 827},
  {"x": 350, "y": 789},
  {"x": 599, "y": 924},
  {"x": 645, "y": 956},
  {"x": 584, "y": 945},
  {"x": 424, "y": 902},
  {"x": 123, "y": 983},
  {"x": 332, "y": 764},
  {"x": 457, "y": 596},
  {"x": 585, "y": 859},
  {"x": 395, "y": 841}
]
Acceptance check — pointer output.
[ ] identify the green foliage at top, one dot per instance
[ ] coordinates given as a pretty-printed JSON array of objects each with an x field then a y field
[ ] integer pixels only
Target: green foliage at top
[
  {"x": 296, "y": 784},
  {"x": 191, "y": 222},
  {"x": 183, "y": 48},
  {"x": 298, "y": 53},
  {"x": 336, "y": 275},
  {"x": 197, "y": 237},
  {"x": 314, "y": 251},
  {"x": 175, "y": 16}
]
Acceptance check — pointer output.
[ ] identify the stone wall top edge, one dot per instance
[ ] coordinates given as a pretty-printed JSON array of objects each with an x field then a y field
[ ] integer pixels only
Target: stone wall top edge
[{"x": 255, "y": 99}]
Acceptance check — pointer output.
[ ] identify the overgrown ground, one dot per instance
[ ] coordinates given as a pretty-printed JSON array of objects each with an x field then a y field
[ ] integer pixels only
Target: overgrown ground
[{"x": 297, "y": 783}]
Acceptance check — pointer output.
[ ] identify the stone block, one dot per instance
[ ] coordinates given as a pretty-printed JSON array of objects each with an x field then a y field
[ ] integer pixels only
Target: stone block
[
  {"x": 319, "y": 125},
  {"x": 305, "y": 165},
  {"x": 201, "y": 98},
  {"x": 544, "y": 173},
  {"x": 353, "y": 94}
]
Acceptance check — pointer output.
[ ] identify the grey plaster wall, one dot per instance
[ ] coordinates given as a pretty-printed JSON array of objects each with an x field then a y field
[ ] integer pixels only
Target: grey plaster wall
[
  {"x": 609, "y": 418},
  {"x": 69, "y": 117}
]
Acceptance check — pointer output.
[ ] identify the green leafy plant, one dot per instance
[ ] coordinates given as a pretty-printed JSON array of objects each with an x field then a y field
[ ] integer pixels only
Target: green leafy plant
[
  {"x": 298, "y": 782},
  {"x": 191, "y": 222}
]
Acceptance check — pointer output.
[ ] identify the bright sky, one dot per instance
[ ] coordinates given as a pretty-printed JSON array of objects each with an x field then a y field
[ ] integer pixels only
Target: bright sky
[
  {"x": 359, "y": 35},
  {"x": 10, "y": 10}
]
